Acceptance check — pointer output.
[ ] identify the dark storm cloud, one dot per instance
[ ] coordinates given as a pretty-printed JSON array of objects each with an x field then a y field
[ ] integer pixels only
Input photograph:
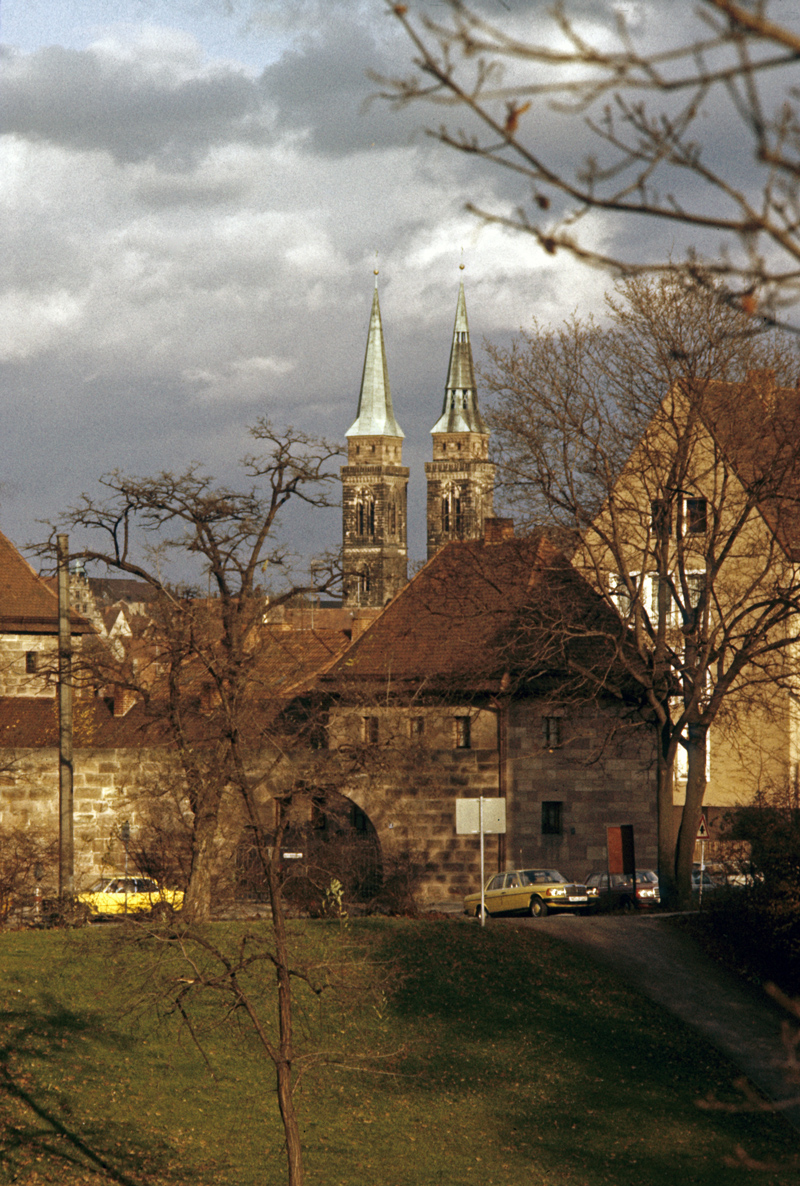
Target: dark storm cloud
[
  {"x": 93, "y": 102},
  {"x": 322, "y": 87}
]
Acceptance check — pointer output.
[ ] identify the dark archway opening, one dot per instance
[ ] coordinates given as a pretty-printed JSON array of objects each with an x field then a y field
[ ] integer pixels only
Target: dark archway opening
[{"x": 335, "y": 841}]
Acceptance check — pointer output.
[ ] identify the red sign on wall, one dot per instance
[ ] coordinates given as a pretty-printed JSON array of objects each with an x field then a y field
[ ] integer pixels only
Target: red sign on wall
[{"x": 621, "y": 855}]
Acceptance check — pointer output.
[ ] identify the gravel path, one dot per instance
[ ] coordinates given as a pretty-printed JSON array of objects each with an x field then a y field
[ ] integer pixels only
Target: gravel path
[{"x": 666, "y": 965}]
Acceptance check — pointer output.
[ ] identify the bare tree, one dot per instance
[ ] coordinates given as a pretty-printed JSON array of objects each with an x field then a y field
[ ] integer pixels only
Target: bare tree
[
  {"x": 694, "y": 124},
  {"x": 200, "y": 665},
  {"x": 265, "y": 980},
  {"x": 669, "y": 450},
  {"x": 201, "y": 676}
]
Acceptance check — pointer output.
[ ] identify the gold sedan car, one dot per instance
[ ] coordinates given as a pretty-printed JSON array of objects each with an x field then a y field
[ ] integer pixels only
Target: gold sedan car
[
  {"x": 528, "y": 891},
  {"x": 129, "y": 895}
]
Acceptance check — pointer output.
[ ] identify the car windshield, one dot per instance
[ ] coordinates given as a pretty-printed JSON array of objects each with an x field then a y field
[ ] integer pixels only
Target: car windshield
[
  {"x": 121, "y": 885},
  {"x": 646, "y": 875},
  {"x": 541, "y": 876}
]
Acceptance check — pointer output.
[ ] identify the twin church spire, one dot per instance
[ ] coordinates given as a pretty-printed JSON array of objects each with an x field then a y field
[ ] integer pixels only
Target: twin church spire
[{"x": 374, "y": 481}]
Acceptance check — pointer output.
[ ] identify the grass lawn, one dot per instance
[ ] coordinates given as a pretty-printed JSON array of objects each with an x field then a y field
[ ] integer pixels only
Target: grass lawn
[{"x": 491, "y": 1056}]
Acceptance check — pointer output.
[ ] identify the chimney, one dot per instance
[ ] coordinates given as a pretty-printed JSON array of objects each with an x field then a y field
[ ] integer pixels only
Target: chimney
[
  {"x": 496, "y": 531},
  {"x": 362, "y": 620}
]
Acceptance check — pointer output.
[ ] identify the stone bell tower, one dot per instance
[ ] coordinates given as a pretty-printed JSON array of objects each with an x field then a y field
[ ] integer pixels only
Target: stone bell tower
[
  {"x": 460, "y": 477},
  {"x": 374, "y": 487}
]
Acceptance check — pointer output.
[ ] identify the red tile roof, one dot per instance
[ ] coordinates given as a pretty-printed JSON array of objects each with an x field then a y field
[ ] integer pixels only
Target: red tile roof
[
  {"x": 479, "y": 615},
  {"x": 288, "y": 660},
  {"x": 27, "y": 604},
  {"x": 28, "y": 722}
]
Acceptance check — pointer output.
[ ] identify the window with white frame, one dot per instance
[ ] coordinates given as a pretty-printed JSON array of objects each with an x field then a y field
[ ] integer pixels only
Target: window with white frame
[
  {"x": 681, "y": 767},
  {"x": 649, "y": 592},
  {"x": 618, "y": 591},
  {"x": 652, "y": 586},
  {"x": 695, "y": 516}
]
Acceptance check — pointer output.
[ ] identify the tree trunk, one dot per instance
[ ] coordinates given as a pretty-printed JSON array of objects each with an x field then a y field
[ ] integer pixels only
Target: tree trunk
[
  {"x": 197, "y": 902},
  {"x": 666, "y": 828},
  {"x": 692, "y": 811},
  {"x": 283, "y": 1063}
]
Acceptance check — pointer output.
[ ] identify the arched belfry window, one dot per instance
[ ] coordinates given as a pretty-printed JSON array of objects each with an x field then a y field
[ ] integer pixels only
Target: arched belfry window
[
  {"x": 452, "y": 513},
  {"x": 365, "y": 514},
  {"x": 363, "y": 585},
  {"x": 393, "y": 514}
]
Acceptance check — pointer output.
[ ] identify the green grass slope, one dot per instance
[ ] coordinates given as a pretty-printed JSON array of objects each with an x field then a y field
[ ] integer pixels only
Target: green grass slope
[{"x": 439, "y": 1053}]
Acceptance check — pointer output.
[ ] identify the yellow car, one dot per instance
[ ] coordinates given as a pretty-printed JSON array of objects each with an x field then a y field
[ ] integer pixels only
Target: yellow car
[
  {"x": 528, "y": 891},
  {"x": 129, "y": 895}
]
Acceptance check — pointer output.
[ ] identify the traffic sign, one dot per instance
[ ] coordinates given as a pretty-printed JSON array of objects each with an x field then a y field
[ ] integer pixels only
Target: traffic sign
[
  {"x": 702, "y": 830},
  {"x": 468, "y": 816}
]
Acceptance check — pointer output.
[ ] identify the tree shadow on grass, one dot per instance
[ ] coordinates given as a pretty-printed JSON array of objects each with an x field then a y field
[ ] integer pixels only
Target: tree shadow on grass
[
  {"x": 566, "y": 1061},
  {"x": 38, "y": 1126}
]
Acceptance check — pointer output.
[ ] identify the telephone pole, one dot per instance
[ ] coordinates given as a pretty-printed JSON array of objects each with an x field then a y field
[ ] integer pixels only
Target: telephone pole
[{"x": 66, "y": 886}]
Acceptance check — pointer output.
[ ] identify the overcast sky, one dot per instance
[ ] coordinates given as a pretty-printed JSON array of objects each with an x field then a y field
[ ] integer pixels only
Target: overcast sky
[{"x": 193, "y": 193}]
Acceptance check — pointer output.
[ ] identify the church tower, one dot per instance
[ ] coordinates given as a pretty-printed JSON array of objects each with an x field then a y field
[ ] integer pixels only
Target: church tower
[
  {"x": 460, "y": 477},
  {"x": 374, "y": 487}
]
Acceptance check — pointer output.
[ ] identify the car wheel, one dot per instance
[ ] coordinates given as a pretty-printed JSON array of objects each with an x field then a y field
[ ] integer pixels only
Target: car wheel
[
  {"x": 626, "y": 906},
  {"x": 479, "y": 913},
  {"x": 537, "y": 908}
]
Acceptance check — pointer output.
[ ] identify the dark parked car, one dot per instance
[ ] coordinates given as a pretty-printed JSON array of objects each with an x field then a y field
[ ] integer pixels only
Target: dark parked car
[
  {"x": 615, "y": 891},
  {"x": 710, "y": 884}
]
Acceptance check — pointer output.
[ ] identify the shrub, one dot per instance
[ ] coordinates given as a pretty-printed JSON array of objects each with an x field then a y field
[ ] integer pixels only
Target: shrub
[{"x": 27, "y": 858}]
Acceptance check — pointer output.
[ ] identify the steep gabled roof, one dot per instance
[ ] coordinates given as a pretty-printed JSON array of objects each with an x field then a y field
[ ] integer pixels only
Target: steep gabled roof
[
  {"x": 288, "y": 661},
  {"x": 484, "y": 616},
  {"x": 27, "y": 604},
  {"x": 757, "y": 426},
  {"x": 109, "y": 590}
]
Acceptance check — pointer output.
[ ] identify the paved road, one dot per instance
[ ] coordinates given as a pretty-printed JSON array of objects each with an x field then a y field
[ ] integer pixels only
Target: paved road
[{"x": 666, "y": 965}]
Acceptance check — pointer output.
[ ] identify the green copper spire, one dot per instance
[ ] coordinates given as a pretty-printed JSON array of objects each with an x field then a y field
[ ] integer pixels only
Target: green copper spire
[
  {"x": 375, "y": 415},
  {"x": 460, "y": 412}
]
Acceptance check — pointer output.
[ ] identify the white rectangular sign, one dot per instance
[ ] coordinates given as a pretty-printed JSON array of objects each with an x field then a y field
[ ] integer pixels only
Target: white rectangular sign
[{"x": 468, "y": 816}]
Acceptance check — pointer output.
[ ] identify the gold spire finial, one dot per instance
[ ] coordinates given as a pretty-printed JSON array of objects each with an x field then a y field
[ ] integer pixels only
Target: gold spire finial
[{"x": 461, "y": 265}]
